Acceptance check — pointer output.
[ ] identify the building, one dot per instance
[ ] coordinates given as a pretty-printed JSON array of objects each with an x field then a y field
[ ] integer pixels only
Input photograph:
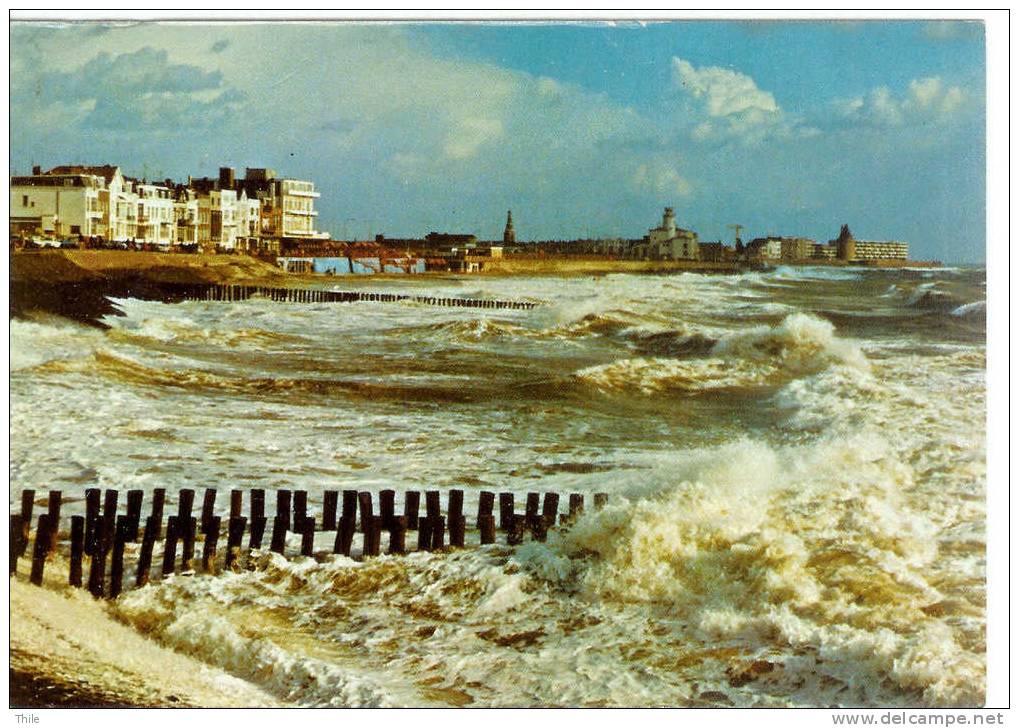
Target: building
[
  {"x": 509, "y": 235},
  {"x": 287, "y": 205},
  {"x": 668, "y": 242},
  {"x": 794, "y": 248},
  {"x": 849, "y": 248},
  {"x": 823, "y": 251},
  {"x": 769, "y": 248},
  {"x": 64, "y": 205},
  {"x": 717, "y": 252},
  {"x": 155, "y": 218}
]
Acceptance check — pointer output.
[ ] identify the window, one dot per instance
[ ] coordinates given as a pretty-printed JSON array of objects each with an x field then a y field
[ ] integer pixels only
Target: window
[{"x": 24, "y": 200}]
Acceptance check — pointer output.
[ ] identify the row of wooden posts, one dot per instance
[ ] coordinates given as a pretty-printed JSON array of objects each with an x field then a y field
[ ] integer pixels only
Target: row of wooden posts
[
  {"x": 102, "y": 534},
  {"x": 307, "y": 295}
]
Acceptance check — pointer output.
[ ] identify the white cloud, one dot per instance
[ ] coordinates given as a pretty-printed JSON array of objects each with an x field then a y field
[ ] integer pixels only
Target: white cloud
[
  {"x": 724, "y": 92},
  {"x": 468, "y": 135},
  {"x": 661, "y": 180},
  {"x": 925, "y": 100}
]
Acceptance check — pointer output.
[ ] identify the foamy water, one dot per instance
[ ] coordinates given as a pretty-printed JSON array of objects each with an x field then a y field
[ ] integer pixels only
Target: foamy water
[{"x": 796, "y": 460}]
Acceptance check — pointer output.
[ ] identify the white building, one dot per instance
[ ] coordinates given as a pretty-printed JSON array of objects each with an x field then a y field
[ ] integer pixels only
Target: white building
[
  {"x": 287, "y": 205},
  {"x": 156, "y": 218},
  {"x": 64, "y": 205},
  {"x": 668, "y": 242},
  {"x": 217, "y": 219}
]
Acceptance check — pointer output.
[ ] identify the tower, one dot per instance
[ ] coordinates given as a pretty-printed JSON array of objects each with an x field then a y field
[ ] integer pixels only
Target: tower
[
  {"x": 509, "y": 235},
  {"x": 669, "y": 222},
  {"x": 845, "y": 244}
]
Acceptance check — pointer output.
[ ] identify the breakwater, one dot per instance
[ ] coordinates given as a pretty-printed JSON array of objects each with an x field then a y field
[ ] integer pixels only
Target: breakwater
[
  {"x": 314, "y": 295},
  {"x": 104, "y": 535}
]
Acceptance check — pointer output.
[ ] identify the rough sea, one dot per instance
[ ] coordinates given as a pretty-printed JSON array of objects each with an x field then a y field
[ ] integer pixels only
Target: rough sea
[{"x": 795, "y": 460}]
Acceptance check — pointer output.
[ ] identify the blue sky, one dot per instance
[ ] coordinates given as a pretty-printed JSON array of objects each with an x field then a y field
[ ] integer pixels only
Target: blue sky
[{"x": 583, "y": 129}]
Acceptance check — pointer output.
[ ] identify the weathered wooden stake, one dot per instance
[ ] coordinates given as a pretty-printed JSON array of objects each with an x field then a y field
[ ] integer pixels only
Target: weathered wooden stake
[
  {"x": 515, "y": 531},
  {"x": 77, "y": 549},
  {"x": 425, "y": 534},
  {"x": 158, "y": 502},
  {"x": 601, "y": 500},
  {"x": 110, "y": 498},
  {"x": 97, "y": 573},
  {"x": 486, "y": 524},
  {"x": 372, "y": 527},
  {"x": 123, "y": 530},
  {"x": 457, "y": 531},
  {"x": 505, "y": 510},
  {"x": 134, "y": 512},
  {"x": 209, "y": 545},
  {"x": 91, "y": 517},
  {"x": 349, "y": 505},
  {"x": 538, "y": 527},
  {"x": 152, "y": 527},
  {"x": 188, "y": 529},
  {"x": 235, "y": 535},
  {"x": 16, "y": 536},
  {"x": 364, "y": 499},
  {"x": 533, "y": 503},
  {"x": 550, "y": 508},
  {"x": 280, "y": 526},
  {"x": 307, "y": 536},
  {"x": 53, "y": 511},
  {"x": 344, "y": 536},
  {"x": 438, "y": 533},
  {"x": 300, "y": 509},
  {"x": 486, "y": 500},
  {"x": 398, "y": 535},
  {"x": 576, "y": 505},
  {"x": 454, "y": 506},
  {"x": 330, "y": 499},
  {"x": 433, "y": 505},
  {"x": 411, "y": 508},
  {"x": 185, "y": 503},
  {"x": 208, "y": 508},
  {"x": 257, "y": 532},
  {"x": 387, "y": 507},
  {"x": 283, "y": 503},
  {"x": 27, "y": 506},
  {"x": 41, "y": 549},
  {"x": 236, "y": 503},
  {"x": 257, "y": 504}
]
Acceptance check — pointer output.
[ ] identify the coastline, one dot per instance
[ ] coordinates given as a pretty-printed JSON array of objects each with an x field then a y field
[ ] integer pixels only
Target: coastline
[{"x": 66, "y": 651}]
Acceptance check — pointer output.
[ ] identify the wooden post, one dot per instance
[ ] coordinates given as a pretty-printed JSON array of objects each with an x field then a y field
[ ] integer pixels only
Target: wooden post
[
  {"x": 515, "y": 531},
  {"x": 94, "y": 536},
  {"x": 425, "y": 534},
  {"x": 398, "y": 535},
  {"x": 433, "y": 506},
  {"x": 372, "y": 528},
  {"x": 209, "y": 546},
  {"x": 152, "y": 527},
  {"x": 91, "y": 517},
  {"x": 300, "y": 509},
  {"x": 533, "y": 503},
  {"x": 550, "y": 509},
  {"x": 53, "y": 511},
  {"x": 411, "y": 508},
  {"x": 601, "y": 500},
  {"x": 41, "y": 549},
  {"x": 123, "y": 530},
  {"x": 280, "y": 526},
  {"x": 307, "y": 536},
  {"x": 576, "y": 505},
  {"x": 16, "y": 535},
  {"x": 330, "y": 500},
  {"x": 486, "y": 524},
  {"x": 486, "y": 500},
  {"x": 110, "y": 498},
  {"x": 387, "y": 507},
  {"x": 257, "y": 504},
  {"x": 454, "y": 508},
  {"x": 349, "y": 505},
  {"x": 236, "y": 503},
  {"x": 438, "y": 533},
  {"x": 97, "y": 570},
  {"x": 188, "y": 527},
  {"x": 158, "y": 502},
  {"x": 77, "y": 549},
  {"x": 505, "y": 510},
  {"x": 344, "y": 536},
  {"x": 134, "y": 512},
  {"x": 27, "y": 507},
  {"x": 185, "y": 502},
  {"x": 257, "y": 532},
  {"x": 364, "y": 499},
  {"x": 538, "y": 527},
  {"x": 283, "y": 499},
  {"x": 457, "y": 531},
  {"x": 235, "y": 535},
  {"x": 208, "y": 507}
]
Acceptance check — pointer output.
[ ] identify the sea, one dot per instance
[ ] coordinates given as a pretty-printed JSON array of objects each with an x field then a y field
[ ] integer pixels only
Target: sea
[{"x": 795, "y": 460}]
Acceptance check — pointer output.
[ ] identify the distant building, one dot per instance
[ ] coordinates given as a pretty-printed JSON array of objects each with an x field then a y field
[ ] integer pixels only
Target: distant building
[
  {"x": 668, "y": 242},
  {"x": 764, "y": 249},
  {"x": 57, "y": 205},
  {"x": 447, "y": 240},
  {"x": 717, "y": 252},
  {"x": 849, "y": 248},
  {"x": 823, "y": 251},
  {"x": 794, "y": 248},
  {"x": 509, "y": 235}
]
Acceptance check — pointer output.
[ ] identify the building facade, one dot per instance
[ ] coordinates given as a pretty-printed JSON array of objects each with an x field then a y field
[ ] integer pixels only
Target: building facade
[{"x": 668, "y": 242}]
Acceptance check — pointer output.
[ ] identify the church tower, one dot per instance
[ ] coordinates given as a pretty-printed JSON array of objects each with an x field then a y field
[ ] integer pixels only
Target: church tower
[{"x": 509, "y": 235}]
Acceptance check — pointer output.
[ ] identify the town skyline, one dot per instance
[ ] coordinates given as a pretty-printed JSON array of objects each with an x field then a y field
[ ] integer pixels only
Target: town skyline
[{"x": 584, "y": 130}]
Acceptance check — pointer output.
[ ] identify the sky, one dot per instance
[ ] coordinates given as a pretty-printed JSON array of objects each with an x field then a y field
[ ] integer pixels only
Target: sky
[{"x": 583, "y": 129}]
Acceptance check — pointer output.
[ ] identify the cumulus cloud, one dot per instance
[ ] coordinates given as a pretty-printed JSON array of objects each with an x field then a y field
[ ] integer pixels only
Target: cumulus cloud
[
  {"x": 662, "y": 180},
  {"x": 925, "y": 100}
]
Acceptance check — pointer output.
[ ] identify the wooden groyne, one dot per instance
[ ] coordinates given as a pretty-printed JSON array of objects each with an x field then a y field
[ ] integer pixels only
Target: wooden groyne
[
  {"x": 103, "y": 539},
  {"x": 202, "y": 292}
]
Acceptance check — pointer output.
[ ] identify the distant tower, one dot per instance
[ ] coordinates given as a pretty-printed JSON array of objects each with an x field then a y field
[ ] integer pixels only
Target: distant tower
[
  {"x": 509, "y": 235},
  {"x": 845, "y": 244},
  {"x": 669, "y": 222}
]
